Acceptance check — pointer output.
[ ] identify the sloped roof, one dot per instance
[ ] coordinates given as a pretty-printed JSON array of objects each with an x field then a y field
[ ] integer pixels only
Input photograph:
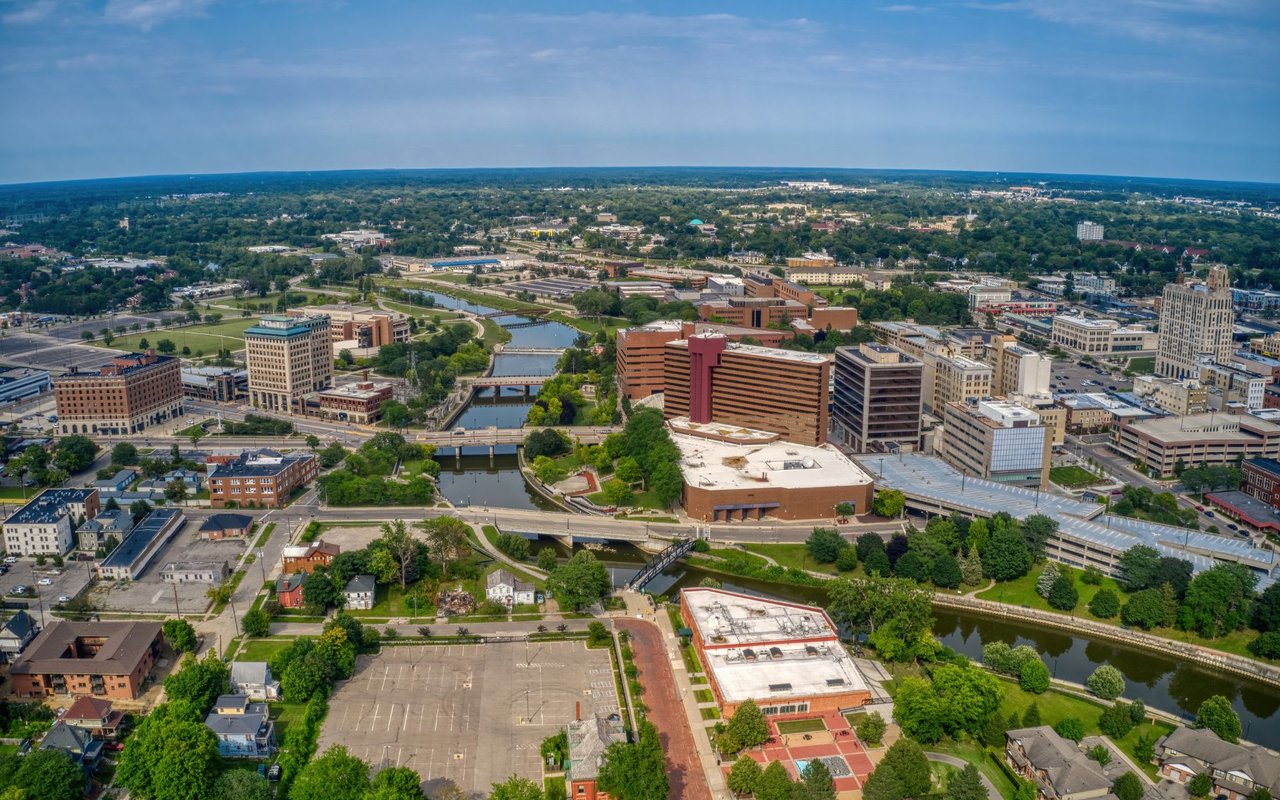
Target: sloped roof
[
  {"x": 588, "y": 739},
  {"x": 1067, "y": 769},
  {"x": 287, "y": 583},
  {"x": 360, "y": 583},
  {"x": 20, "y": 625},
  {"x": 87, "y": 708},
  {"x": 243, "y": 672},
  {"x": 226, "y": 522},
  {"x": 125, "y": 646}
]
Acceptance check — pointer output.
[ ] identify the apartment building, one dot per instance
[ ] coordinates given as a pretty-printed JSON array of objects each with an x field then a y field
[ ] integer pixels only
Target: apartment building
[
  {"x": 998, "y": 441},
  {"x": 1017, "y": 370},
  {"x": 288, "y": 357},
  {"x": 1196, "y": 440},
  {"x": 364, "y": 326},
  {"x": 826, "y": 276},
  {"x": 1238, "y": 771},
  {"x": 128, "y": 395},
  {"x": 1100, "y": 337},
  {"x": 103, "y": 659},
  {"x": 1195, "y": 325},
  {"x": 258, "y": 478},
  {"x": 953, "y": 379},
  {"x": 360, "y": 403},
  {"x": 710, "y": 379},
  {"x": 810, "y": 260},
  {"x": 1087, "y": 231},
  {"x": 1181, "y": 397},
  {"x": 640, "y": 355},
  {"x": 45, "y": 525},
  {"x": 1261, "y": 480},
  {"x": 1228, "y": 385},
  {"x": 877, "y": 399}
]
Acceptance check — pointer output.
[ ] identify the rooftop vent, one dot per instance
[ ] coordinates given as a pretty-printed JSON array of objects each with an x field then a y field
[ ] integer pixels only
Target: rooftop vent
[
  {"x": 835, "y": 681},
  {"x": 779, "y": 687}
]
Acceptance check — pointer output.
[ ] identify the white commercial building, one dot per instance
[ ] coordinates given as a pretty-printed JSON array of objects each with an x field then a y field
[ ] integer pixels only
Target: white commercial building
[{"x": 1087, "y": 231}]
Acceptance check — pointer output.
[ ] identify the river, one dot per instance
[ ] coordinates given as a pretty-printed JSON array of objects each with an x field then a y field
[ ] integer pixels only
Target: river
[{"x": 1164, "y": 683}]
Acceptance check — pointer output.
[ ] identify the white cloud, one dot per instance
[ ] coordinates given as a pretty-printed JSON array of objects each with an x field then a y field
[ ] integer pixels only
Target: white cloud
[
  {"x": 146, "y": 14},
  {"x": 1212, "y": 23},
  {"x": 27, "y": 13}
]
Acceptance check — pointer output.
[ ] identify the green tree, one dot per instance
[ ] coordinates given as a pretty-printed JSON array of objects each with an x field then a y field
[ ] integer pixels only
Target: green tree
[
  {"x": 1200, "y": 785},
  {"x": 579, "y": 582},
  {"x": 775, "y": 783},
  {"x": 1031, "y": 717},
  {"x": 1145, "y": 609},
  {"x": 1266, "y": 645},
  {"x": 867, "y": 543},
  {"x": 166, "y": 346},
  {"x": 256, "y": 623},
  {"x": 313, "y": 442},
  {"x": 747, "y": 728},
  {"x": 175, "y": 491},
  {"x": 907, "y": 761},
  {"x": 817, "y": 782},
  {"x": 1105, "y": 604},
  {"x": 1070, "y": 728},
  {"x": 199, "y": 682},
  {"x": 74, "y": 453},
  {"x": 1138, "y": 568},
  {"x": 877, "y": 564},
  {"x": 241, "y": 784},
  {"x": 49, "y": 775},
  {"x": 1116, "y": 721},
  {"x": 1218, "y": 600},
  {"x": 171, "y": 756},
  {"x": 825, "y": 545},
  {"x": 1217, "y": 715},
  {"x": 448, "y": 539},
  {"x": 882, "y": 784},
  {"x": 617, "y": 493},
  {"x": 871, "y": 728},
  {"x": 513, "y": 788},
  {"x": 946, "y": 572},
  {"x": 896, "y": 614},
  {"x": 124, "y": 454},
  {"x": 1266, "y": 610},
  {"x": 744, "y": 776},
  {"x": 959, "y": 699},
  {"x": 1006, "y": 557},
  {"x": 636, "y": 771},
  {"x": 1064, "y": 596},
  {"x": 888, "y": 503},
  {"x": 628, "y": 470},
  {"x": 1106, "y": 682},
  {"x": 965, "y": 785},
  {"x": 1127, "y": 787},
  {"x": 547, "y": 559},
  {"x": 336, "y": 775},
  {"x": 319, "y": 591},
  {"x": 911, "y": 567},
  {"x": 179, "y": 635},
  {"x": 1034, "y": 677}
]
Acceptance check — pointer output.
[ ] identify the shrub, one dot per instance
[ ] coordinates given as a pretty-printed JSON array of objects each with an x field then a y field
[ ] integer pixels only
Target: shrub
[
  {"x": 1070, "y": 728},
  {"x": 1266, "y": 646},
  {"x": 1200, "y": 785},
  {"x": 1063, "y": 596},
  {"x": 871, "y": 728},
  {"x": 1034, "y": 677},
  {"x": 1105, "y": 604},
  {"x": 1115, "y": 721},
  {"x": 1106, "y": 682}
]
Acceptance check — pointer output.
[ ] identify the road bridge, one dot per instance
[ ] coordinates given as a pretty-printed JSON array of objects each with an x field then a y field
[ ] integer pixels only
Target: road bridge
[
  {"x": 491, "y": 437},
  {"x": 523, "y": 312},
  {"x": 503, "y": 381},
  {"x": 532, "y": 351}
]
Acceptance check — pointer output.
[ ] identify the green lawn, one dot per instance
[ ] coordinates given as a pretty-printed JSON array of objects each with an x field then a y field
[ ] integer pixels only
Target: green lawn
[
  {"x": 638, "y": 500},
  {"x": 976, "y": 754},
  {"x": 1022, "y": 592},
  {"x": 704, "y": 696},
  {"x": 1073, "y": 476},
  {"x": 791, "y": 555},
  {"x": 286, "y": 714},
  {"x": 18, "y": 492},
  {"x": 1143, "y": 365},
  {"x": 389, "y": 601},
  {"x": 208, "y": 338},
  {"x": 262, "y": 649},
  {"x": 255, "y": 303},
  {"x": 266, "y": 534},
  {"x": 801, "y": 726},
  {"x": 709, "y": 713}
]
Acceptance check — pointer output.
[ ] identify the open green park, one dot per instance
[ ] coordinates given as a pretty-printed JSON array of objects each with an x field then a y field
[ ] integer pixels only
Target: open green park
[
  {"x": 1073, "y": 477},
  {"x": 207, "y": 338}
]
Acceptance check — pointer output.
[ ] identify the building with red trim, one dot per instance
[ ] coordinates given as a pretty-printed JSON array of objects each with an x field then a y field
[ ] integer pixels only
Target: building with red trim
[
  {"x": 289, "y": 590},
  {"x": 786, "y": 657},
  {"x": 306, "y": 557}
]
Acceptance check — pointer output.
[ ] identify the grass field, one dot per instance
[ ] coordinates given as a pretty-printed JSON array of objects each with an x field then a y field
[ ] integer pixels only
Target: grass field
[
  {"x": 206, "y": 338},
  {"x": 791, "y": 555},
  {"x": 1073, "y": 477},
  {"x": 262, "y": 649},
  {"x": 18, "y": 492},
  {"x": 286, "y": 714},
  {"x": 1143, "y": 365},
  {"x": 389, "y": 601},
  {"x": 1022, "y": 592},
  {"x": 976, "y": 754},
  {"x": 801, "y": 726}
]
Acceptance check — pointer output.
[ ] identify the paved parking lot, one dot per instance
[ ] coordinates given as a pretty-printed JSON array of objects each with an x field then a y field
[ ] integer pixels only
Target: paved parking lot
[
  {"x": 474, "y": 714},
  {"x": 151, "y": 595},
  {"x": 1076, "y": 375},
  {"x": 73, "y": 580},
  {"x": 44, "y": 352}
]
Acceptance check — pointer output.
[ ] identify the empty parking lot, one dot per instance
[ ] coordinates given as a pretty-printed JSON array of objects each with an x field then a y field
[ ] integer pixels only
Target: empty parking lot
[{"x": 473, "y": 714}]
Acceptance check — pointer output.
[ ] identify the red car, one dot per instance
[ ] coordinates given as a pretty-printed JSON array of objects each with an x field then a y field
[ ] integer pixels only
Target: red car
[{"x": 114, "y": 747}]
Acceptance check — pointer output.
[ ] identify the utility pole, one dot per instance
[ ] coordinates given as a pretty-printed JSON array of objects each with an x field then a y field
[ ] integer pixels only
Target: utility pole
[{"x": 176, "y": 609}]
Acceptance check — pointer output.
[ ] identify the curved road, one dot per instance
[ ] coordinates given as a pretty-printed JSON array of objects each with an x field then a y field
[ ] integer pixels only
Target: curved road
[{"x": 992, "y": 794}]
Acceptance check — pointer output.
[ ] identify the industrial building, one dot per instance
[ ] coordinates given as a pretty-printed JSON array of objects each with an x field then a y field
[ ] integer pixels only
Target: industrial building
[
  {"x": 132, "y": 557},
  {"x": 785, "y": 657}
]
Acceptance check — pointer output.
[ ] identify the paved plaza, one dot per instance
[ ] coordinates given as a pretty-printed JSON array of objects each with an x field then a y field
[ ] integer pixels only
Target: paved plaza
[{"x": 474, "y": 714}]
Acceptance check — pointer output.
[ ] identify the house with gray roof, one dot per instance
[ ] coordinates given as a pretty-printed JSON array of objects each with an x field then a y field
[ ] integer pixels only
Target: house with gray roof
[
  {"x": 94, "y": 533},
  {"x": 503, "y": 587},
  {"x": 15, "y": 635},
  {"x": 359, "y": 592},
  {"x": 253, "y": 679},
  {"x": 77, "y": 743},
  {"x": 244, "y": 728},
  {"x": 1237, "y": 770},
  {"x": 588, "y": 739},
  {"x": 1056, "y": 765}
]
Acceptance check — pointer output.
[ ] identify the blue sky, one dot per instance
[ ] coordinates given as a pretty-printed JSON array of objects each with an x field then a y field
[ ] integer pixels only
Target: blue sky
[{"x": 1173, "y": 88}]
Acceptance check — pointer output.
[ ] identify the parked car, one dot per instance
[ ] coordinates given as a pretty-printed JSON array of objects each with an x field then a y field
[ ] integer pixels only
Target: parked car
[
  {"x": 21, "y": 589},
  {"x": 64, "y": 598},
  {"x": 1208, "y": 513},
  {"x": 1112, "y": 387},
  {"x": 45, "y": 581},
  {"x": 11, "y": 559},
  {"x": 274, "y": 773},
  {"x": 114, "y": 747}
]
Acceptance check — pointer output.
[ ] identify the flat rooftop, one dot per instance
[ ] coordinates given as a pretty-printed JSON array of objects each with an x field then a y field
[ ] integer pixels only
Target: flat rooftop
[
  {"x": 140, "y": 538},
  {"x": 1194, "y": 427},
  {"x": 355, "y": 391},
  {"x": 48, "y": 506},
  {"x": 761, "y": 649},
  {"x": 772, "y": 353},
  {"x": 708, "y": 464}
]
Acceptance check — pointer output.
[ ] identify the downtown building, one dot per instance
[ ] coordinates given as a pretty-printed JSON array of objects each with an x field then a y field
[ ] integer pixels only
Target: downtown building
[
  {"x": 126, "y": 396},
  {"x": 709, "y": 379},
  {"x": 1196, "y": 322},
  {"x": 998, "y": 441},
  {"x": 288, "y": 358},
  {"x": 877, "y": 399}
]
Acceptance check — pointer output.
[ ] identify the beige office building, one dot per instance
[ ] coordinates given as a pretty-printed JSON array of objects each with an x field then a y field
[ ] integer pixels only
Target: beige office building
[
  {"x": 953, "y": 379},
  {"x": 1100, "y": 337},
  {"x": 1195, "y": 325},
  {"x": 1018, "y": 370},
  {"x": 998, "y": 441},
  {"x": 1198, "y": 440},
  {"x": 288, "y": 357},
  {"x": 1179, "y": 397}
]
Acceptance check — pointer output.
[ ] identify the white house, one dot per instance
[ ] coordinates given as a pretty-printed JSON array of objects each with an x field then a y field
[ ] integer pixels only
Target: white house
[
  {"x": 253, "y": 679},
  {"x": 503, "y": 587},
  {"x": 359, "y": 592}
]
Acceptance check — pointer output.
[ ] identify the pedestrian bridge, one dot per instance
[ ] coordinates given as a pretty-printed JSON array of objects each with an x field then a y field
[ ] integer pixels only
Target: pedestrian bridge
[
  {"x": 491, "y": 437},
  {"x": 502, "y": 381}
]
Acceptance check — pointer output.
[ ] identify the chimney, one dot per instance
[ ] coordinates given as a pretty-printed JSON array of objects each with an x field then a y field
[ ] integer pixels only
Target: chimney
[
  {"x": 366, "y": 375},
  {"x": 577, "y": 711}
]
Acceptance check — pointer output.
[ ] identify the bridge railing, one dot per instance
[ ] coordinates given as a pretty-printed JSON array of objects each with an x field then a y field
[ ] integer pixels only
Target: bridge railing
[{"x": 670, "y": 555}]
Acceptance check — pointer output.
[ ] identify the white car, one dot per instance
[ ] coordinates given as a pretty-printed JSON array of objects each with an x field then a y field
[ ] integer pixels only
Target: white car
[
  {"x": 45, "y": 581},
  {"x": 11, "y": 559},
  {"x": 64, "y": 598}
]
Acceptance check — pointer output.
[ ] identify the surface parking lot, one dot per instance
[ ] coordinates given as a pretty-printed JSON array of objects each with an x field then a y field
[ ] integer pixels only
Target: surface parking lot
[
  {"x": 151, "y": 595},
  {"x": 74, "y": 578},
  {"x": 474, "y": 714}
]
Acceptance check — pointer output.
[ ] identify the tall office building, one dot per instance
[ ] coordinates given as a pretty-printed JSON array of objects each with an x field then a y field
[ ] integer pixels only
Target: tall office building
[
  {"x": 712, "y": 380},
  {"x": 128, "y": 395},
  {"x": 1195, "y": 325},
  {"x": 953, "y": 378},
  {"x": 998, "y": 441},
  {"x": 288, "y": 357},
  {"x": 1087, "y": 231},
  {"x": 1018, "y": 370},
  {"x": 640, "y": 355},
  {"x": 876, "y": 405}
]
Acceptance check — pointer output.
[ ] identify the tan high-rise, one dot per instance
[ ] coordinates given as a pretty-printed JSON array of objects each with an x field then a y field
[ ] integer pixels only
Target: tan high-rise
[
  {"x": 1195, "y": 323},
  {"x": 288, "y": 358}
]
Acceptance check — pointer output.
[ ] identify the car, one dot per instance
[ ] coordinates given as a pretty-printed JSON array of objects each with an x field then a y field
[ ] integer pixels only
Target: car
[
  {"x": 11, "y": 559},
  {"x": 114, "y": 747},
  {"x": 1112, "y": 387},
  {"x": 1209, "y": 514},
  {"x": 20, "y": 589},
  {"x": 1233, "y": 526},
  {"x": 274, "y": 773},
  {"x": 1199, "y": 508},
  {"x": 45, "y": 581},
  {"x": 64, "y": 598}
]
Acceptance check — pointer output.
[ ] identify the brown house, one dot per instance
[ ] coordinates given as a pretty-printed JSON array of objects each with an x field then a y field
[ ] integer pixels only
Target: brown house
[
  {"x": 306, "y": 557},
  {"x": 102, "y": 659},
  {"x": 95, "y": 716}
]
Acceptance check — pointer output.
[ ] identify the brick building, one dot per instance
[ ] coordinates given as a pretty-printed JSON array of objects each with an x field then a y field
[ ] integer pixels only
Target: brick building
[
  {"x": 710, "y": 379},
  {"x": 1262, "y": 480},
  {"x": 130, "y": 394},
  {"x": 289, "y": 590},
  {"x": 365, "y": 326},
  {"x": 103, "y": 659},
  {"x": 640, "y": 355},
  {"x": 306, "y": 557},
  {"x": 588, "y": 739},
  {"x": 786, "y": 657},
  {"x": 360, "y": 403},
  {"x": 258, "y": 478}
]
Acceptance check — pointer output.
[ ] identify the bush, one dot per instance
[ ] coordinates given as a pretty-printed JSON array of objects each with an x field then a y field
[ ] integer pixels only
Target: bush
[
  {"x": 1200, "y": 785},
  {"x": 825, "y": 544},
  {"x": 1070, "y": 728},
  {"x": 513, "y": 545},
  {"x": 256, "y": 623},
  {"x": 1034, "y": 677},
  {"x": 1063, "y": 596},
  {"x": 1267, "y": 645},
  {"x": 847, "y": 561},
  {"x": 1106, "y": 682},
  {"x": 598, "y": 634},
  {"x": 871, "y": 728},
  {"x": 1116, "y": 721},
  {"x": 1105, "y": 604}
]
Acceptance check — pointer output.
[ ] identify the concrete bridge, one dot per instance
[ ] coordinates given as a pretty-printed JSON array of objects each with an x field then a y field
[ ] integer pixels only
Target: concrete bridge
[
  {"x": 492, "y": 437},
  {"x": 529, "y": 312},
  {"x": 532, "y": 351},
  {"x": 503, "y": 381}
]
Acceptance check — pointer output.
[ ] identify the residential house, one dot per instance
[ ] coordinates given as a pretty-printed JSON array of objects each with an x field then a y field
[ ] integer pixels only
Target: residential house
[
  {"x": 1237, "y": 770},
  {"x": 253, "y": 680},
  {"x": 77, "y": 743},
  {"x": 289, "y": 590},
  {"x": 223, "y": 526},
  {"x": 306, "y": 557},
  {"x": 94, "y": 715},
  {"x": 1056, "y": 765},
  {"x": 502, "y": 586},
  {"x": 588, "y": 739},
  {"x": 157, "y": 486},
  {"x": 116, "y": 484},
  {"x": 17, "y": 633},
  {"x": 109, "y": 524},
  {"x": 359, "y": 592},
  {"x": 244, "y": 728}
]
